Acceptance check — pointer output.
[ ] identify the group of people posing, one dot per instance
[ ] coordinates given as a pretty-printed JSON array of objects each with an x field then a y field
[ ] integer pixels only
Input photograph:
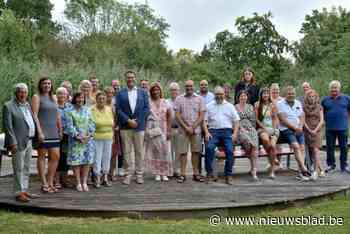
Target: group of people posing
[{"x": 94, "y": 132}]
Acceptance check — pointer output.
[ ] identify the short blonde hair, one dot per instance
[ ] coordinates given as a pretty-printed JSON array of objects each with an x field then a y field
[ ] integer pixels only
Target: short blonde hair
[{"x": 275, "y": 86}]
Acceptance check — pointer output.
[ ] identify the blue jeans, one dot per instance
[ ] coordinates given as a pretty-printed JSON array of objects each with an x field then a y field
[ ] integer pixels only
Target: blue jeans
[
  {"x": 219, "y": 137},
  {"x": 331, "y": 136}
]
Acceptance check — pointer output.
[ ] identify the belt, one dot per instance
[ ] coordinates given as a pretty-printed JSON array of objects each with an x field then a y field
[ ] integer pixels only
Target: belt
[{"x": 175, "y": 126}]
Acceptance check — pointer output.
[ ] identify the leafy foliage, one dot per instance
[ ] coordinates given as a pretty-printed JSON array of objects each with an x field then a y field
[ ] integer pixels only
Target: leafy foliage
[
  {"x": 257, "y": 44},
  {"x": 323, "y": 53}
]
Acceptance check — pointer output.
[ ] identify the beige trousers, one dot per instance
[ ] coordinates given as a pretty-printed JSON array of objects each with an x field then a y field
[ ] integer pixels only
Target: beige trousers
[{"x": 133, "y": 142}]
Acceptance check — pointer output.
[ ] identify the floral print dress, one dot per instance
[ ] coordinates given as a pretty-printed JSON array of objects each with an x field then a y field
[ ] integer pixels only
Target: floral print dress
[
  {"x": 248, "y": 135},
  {"x": 158, "y": 157},
  {"x": 80, "y": 122}
]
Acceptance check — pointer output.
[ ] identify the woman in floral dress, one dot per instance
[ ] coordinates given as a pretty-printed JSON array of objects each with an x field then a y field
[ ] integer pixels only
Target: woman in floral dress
[
  {"x": 81, "y": 147},
  {"x": 248, "y": 136},
  {"x": 158, "y": 157}
]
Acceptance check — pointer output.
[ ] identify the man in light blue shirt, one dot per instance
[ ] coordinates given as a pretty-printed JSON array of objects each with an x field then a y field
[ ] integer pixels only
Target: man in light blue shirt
[
  {"x": 223, "y": 125},
  {"x": 204, "y": 92},
  {"x": 291, "y": 116}
]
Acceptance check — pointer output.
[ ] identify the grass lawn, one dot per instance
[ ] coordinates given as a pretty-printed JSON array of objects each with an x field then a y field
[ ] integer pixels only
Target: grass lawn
[{"x": 28, "y": 223}]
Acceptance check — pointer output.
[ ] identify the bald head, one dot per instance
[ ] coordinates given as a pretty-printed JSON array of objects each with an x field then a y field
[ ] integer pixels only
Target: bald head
[
  {"x": 203, "y": 87},
  {"x": 189, "y": 87},
  {"x": 189, "y": 82}
]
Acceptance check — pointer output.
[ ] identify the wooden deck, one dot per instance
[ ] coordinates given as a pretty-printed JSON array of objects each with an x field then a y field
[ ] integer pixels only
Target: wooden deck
[
  {"x": 173, "y": 200},
  {"x": 179, "y": 201}
]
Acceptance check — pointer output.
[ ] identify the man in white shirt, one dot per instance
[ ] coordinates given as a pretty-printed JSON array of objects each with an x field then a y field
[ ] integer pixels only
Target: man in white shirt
[
  {"x": 291, "y": 116},
  {"x": 20, "y": 127},
  {"x": 223, "y": 125}
]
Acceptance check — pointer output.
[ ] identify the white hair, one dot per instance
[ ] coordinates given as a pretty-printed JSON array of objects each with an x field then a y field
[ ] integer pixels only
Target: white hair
[
  {"x": 219, "y": 89},
  {"x": 334, "y": 83},
  {"x": 174, "y": 85},
  {"x": 61, "y": 89},
  {"x": 21, "y": 86}
]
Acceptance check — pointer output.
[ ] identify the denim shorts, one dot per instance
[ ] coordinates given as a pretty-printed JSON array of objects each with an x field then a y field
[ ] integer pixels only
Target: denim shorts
[{"x": 290, "y": 137}]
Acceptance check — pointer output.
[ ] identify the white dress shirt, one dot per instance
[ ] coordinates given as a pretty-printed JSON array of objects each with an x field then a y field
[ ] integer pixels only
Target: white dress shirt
[
  {"x": 132, "y": 95},
  {"x": 221, "y": 116},
  {"x": 292, "y": 113}
]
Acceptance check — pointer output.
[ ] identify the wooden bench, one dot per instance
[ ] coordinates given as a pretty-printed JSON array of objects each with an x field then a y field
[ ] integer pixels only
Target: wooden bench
[{"x": 239, "y": 152}]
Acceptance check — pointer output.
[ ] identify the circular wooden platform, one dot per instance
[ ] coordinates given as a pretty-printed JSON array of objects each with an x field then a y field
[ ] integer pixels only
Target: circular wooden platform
[{"x": 173, "y": 200}]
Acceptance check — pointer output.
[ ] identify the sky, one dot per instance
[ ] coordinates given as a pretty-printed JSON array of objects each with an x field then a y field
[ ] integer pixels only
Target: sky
[{"x": 194, "y": 23}]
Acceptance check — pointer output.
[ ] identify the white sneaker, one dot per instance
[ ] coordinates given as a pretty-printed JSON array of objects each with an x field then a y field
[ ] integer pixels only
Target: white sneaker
[
  {"x": 157, "y": 178},
  {"x": 314, "y": 176},
  {"x": 302, "y": 177},
  {"x": 165, "y": 178},
  {"x": 322, "y": 174},
  {"x": 121, "y": 172}
]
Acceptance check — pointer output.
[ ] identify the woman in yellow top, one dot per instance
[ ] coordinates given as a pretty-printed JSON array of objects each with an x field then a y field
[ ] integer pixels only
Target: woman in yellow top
[{"x": 104, "y": 120}]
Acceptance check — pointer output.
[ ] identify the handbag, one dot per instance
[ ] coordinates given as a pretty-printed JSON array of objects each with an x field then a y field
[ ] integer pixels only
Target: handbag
[
  {"x": 153, "y": 129},
  {"x": 154, "y": 132}
]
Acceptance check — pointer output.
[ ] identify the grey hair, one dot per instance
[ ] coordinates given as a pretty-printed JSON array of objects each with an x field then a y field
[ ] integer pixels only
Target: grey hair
[
  {"x": 21, "y": 86},
  {"x": 334, "y": 83},
  {"x": 85, "y": 82},
  {"x": 174, "y": 85},
  {"x": 66, "y": 82}
]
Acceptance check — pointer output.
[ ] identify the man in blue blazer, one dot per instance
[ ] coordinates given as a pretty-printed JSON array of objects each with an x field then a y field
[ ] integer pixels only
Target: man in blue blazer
[{"x": 132, "y": 107}]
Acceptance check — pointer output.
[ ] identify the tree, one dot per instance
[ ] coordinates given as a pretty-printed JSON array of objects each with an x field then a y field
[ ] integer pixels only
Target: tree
[
  {"x": 38, "y": 11},
  {"x": 261, "y": 41},
  {"x": 257, "y": 44},
  {"x": 107, "y": 16},
  {"x": 16, "y": 40},
  {"x": 323, "y": 53},
  {"x": 322, "y": 31},
  {"x": 114, "y": 31}
]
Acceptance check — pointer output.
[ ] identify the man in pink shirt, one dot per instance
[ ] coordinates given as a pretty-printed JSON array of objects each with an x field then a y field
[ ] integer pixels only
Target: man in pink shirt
[{"x": 190, "y": 109}]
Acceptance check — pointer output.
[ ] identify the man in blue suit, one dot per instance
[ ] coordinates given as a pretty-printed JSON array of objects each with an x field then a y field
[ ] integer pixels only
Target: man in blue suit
[{"x": 132, "y": 107}]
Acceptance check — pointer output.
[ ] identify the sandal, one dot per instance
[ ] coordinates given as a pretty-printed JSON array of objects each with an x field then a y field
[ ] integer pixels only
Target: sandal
[
  {"x": 181, "y": 179},
  {"x": 58, "y": 186},
  {"x": 44, "y": 188},
  {"x": 52, "y": 189},
  {"x": 198, "y": 178}
]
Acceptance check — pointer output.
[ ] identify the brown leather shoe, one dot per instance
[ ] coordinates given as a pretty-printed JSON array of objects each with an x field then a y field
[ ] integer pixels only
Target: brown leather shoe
[
  {"x": 22, "y": 198},
  {"x": 229, "y": 180}
]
